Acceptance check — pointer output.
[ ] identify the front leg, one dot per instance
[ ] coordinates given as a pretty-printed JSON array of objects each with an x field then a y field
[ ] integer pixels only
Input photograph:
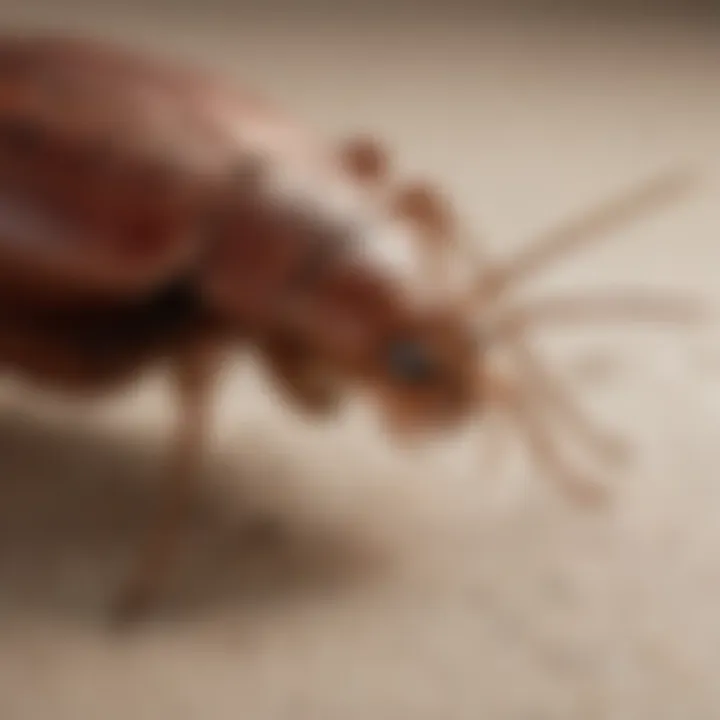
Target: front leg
[
  {"x": 194, "y": 373},
  {"x": 513, "y": 400}
]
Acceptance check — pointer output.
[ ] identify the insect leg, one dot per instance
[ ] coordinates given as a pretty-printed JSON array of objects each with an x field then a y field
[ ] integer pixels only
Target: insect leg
[
  {"x": 515, "y": 403},
  {"x": 193, "y": 376},
  {"x": 543, "y": 385},
  {"x": 512, "y": 326}
]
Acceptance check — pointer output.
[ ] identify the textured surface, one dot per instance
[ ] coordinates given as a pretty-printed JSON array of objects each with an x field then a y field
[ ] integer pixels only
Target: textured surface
[{"x": 398, "y": 586}]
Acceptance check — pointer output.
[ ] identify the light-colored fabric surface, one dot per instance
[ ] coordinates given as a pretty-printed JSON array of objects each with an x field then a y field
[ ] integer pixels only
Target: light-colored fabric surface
[{"x": 408, "y": 586}]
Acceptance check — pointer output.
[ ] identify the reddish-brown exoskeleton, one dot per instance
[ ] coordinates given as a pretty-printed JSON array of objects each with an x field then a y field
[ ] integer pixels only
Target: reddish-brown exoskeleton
[{"x": 149, "y": 212}]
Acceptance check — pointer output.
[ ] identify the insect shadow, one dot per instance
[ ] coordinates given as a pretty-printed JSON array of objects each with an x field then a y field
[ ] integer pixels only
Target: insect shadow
[{"x": 75, "y": 502}]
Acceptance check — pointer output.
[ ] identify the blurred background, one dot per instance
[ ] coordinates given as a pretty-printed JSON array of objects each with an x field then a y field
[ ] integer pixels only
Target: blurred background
[{"x": 408, "y": 585}]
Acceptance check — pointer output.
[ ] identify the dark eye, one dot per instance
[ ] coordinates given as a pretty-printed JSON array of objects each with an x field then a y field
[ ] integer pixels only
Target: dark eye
[{"x": 411, "y": 363}]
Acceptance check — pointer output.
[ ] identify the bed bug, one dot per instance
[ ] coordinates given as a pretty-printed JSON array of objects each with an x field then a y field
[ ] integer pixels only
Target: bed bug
[{"x": 153, "y": 212}]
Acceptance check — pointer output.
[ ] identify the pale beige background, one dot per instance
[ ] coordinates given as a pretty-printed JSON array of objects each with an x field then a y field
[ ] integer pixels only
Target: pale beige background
[{"x": 407, "y": 587}]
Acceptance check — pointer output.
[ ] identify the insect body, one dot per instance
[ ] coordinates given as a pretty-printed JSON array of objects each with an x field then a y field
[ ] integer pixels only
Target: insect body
[{"x": 149, "y": 212}]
